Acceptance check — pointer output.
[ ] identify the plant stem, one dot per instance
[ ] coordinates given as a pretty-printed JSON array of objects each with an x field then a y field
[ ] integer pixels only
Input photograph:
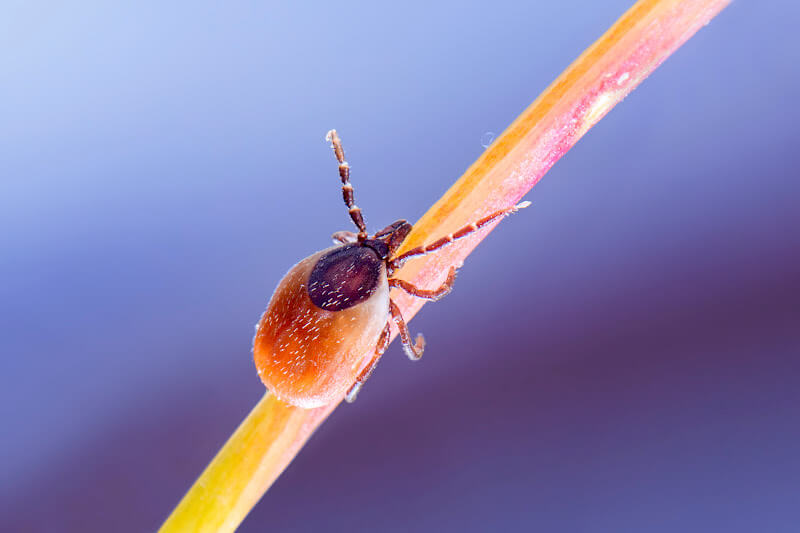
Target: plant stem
[
  {"x": 272, "y": 434},
  {"x": 254, "y": 456}
]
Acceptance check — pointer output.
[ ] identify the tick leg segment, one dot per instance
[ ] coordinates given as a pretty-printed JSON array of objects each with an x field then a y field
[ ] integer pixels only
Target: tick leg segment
[
  {"x": 413, "y": 351},
  {"x": 383, "y": 343},
  {"x": 344, "y": 237},
  {"x": 434, "y": 294},
  {"x": 460, "y": 234},
  {"x": 347, "y": 187}
]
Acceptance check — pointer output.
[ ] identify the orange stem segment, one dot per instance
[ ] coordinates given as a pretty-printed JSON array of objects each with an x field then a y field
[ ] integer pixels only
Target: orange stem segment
[{"x": 254, "y": 456}]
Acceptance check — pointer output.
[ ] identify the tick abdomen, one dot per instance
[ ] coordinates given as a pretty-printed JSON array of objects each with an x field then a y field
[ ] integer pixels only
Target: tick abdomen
[{"x": 308, "y": 354}]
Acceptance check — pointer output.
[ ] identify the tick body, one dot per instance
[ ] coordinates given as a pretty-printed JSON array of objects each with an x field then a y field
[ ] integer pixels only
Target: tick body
[{"x": 333, "y": 309}]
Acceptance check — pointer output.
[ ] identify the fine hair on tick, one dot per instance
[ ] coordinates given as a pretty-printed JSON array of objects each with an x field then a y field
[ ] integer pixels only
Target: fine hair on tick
[{"x": 334, "y": 307}]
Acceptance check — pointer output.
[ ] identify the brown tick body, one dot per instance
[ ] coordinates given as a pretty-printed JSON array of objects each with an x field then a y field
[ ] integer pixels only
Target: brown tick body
[{"x": 333, "y": 307}]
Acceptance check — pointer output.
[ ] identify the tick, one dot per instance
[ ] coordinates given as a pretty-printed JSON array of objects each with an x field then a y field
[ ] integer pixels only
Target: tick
[{"x": 334, "y": 307}]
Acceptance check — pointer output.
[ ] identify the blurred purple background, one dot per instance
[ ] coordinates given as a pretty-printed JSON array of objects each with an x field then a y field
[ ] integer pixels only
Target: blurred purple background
[{"x": 622, "y": 356}]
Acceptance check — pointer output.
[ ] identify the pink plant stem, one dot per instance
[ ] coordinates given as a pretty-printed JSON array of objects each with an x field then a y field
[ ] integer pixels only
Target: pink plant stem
[{"x": 601, "y": 77}]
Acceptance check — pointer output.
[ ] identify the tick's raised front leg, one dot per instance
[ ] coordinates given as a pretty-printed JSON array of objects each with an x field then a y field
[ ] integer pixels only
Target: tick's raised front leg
[{"x": 347, "y": 187}]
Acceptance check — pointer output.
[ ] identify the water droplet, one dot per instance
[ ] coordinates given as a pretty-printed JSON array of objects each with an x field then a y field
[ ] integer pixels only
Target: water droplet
[{"x": 488, "y": 138}]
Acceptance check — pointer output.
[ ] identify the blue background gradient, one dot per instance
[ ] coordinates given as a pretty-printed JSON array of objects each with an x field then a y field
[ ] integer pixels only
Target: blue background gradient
[{"x": 622, "y": 356}]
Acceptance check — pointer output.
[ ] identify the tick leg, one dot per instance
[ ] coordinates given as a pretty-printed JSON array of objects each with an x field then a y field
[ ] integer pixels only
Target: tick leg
[
  {"x": 347, "y": 187},
  {"x": 434, "y": 294},
  {"x": 344, "y": 237},
  {"x": 413, "y": 351},
  {"x": 383, "y": 343},
  {"x": 460, "y": 234}
]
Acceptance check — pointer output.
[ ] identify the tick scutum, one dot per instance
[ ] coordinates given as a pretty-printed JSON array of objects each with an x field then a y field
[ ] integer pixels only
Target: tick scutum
[{"x": 344, "y": 277}]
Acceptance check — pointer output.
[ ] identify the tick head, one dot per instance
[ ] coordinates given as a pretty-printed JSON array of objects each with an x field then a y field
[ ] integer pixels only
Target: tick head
[{"x": 393, "y": 236}]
